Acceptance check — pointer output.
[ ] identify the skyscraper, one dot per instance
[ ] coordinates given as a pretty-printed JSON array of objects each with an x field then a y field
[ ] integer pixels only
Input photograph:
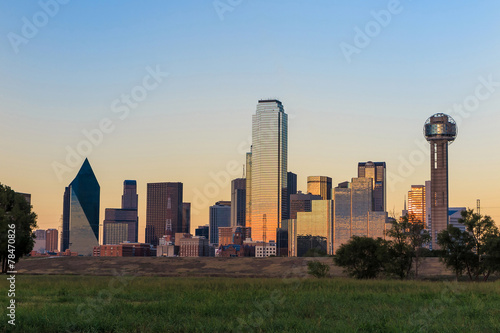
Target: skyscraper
[
  {"x": 439, "y": 130},
  {"x": 220, "y": 216},
  {"x": 81, "y": 212},
  {"x": 186, "y": 217},
  {"x": 51, "y": 240},
  {"x": 353, "y": 213},
  {"x": 416, "y": 203},
  {"x": 291, "y": 183},
  {"x": 121, "y": 224},
  {"x": 268, "y": 182},
  {"x": 375, "y": 171},
  {"x": 163, "y": 210},
  {"x": 320, "y": 185},
  {"x": 300, "y": 202},
  {"x": 248, "y": 212},
  {"x": 238, "y": 201}
]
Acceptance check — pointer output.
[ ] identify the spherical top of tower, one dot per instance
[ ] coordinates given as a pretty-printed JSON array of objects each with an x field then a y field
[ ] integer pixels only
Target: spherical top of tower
[{"x": 440, "y": 127}]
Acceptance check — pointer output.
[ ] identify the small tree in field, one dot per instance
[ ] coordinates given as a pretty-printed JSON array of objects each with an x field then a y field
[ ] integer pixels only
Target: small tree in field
[
  {"x": 362, "y": 257},
  {"x": 475, "y": 251},
  {"x": 317, "y": 269},
  {"x": 408, "y": 238},
  {"x": 15, "y": 212}
]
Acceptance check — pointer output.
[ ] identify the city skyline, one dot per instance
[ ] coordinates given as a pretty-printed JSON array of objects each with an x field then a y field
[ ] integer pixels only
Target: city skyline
[{"x": 340, "y": 113}]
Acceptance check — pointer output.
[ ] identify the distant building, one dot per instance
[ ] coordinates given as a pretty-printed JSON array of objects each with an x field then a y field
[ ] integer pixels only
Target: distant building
[
  {"x": 238, "y": 202},
  {"x": 331, "y": 223},
  {"x": 416, "y": 203},
  {"x": 186, "y": 217},
  {"x": 202, "y": 231},
  {"x": 291, "y": 189},
  {"x": 124, "y": 250},
  {"x": 121, "y": 225},
  {"x": 354, "y": 214},
  {"x": 268, "y": 170},
  {"x": 233, "y": 235},
  {"x": 40, "y": 242},
  {"x": 320, "y": 185},
  {"x": 51, "y": 240},
  {"x": 265, "y": 249},
  {"x": 377, "y": 172},
  {"x": 220, "y": 216},
  {"x": 455, "y": 214},
  {"x": 81, "y": 213},
  {"x": 163, "y": 210},
  {"x": 194, "y": 247},
  {"x": 301, "y": 202}
]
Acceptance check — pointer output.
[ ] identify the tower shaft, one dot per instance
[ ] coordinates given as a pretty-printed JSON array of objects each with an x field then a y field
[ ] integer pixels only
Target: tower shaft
[{"x": 439, "y": 188}]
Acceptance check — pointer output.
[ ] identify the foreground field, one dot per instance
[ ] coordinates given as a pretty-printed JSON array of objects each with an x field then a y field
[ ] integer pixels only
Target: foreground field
[{"x": 169, "y": 304}]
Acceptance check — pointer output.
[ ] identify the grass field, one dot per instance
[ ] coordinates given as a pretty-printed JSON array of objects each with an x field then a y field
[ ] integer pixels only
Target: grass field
[{"x": 172, "y": 304}]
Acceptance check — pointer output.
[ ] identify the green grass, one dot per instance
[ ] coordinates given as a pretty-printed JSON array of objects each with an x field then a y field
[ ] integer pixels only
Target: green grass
[{"x": 166, "y": 304}]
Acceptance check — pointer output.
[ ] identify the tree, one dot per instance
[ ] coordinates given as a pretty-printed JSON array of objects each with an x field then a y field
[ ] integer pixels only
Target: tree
[
  {"x": 408, "y": 238},
  {"x": 476, "y": 250},
  {"x": 362, "y": 257},
  {"x": 15, "y": 212},
  {"x": 317, "y": 269}
]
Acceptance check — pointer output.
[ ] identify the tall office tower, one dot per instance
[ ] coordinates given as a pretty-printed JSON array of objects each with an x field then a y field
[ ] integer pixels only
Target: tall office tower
[
  {"x": 238, "y": 201},
  {"x": 186, "y": 217},
  {"x": 353, "y": 213},
  {"x": 121, "y": 224},
  {"x": 375, "y": 171},
  {"x": 130, "y": 197},
  {"x": 163, "y": 210},
  {"x": 81, "y": 212},
  {"x": 440, "y": 130},
  {"x": 301, "y": 202},
  {"x": 416, "y": 203},
  {"x": 248, "y": 211},
  {"x": 320, "y": 185},
  {"x": 220, "y": 216},
  {"x": 268, "y": 188},
  {"x": 291, "y": 189},
  {"x": 51, "y": 240}
]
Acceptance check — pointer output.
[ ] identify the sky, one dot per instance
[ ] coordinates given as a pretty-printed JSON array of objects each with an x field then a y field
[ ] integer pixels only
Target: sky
[{"x": 164, "y": 91}]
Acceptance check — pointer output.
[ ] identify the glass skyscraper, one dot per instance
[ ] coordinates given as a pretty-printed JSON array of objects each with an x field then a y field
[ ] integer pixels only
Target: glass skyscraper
[
  {"x": 320, "y": 185},
  {"x": 375, "y": 171},
  {"x": 268, "y": 181},
  {"x": 81, "y": 212},
  {"x": 238, "y": 201},
  {"x": 220, "y": 216},
  {"x": 416, "y": 203}
]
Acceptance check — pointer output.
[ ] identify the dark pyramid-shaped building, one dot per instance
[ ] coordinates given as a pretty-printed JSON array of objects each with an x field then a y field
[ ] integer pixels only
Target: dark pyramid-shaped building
[{"x": 81, "y": 212}]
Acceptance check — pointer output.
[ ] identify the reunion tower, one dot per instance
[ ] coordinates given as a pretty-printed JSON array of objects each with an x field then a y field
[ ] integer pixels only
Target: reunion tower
[{"x": 440, "y": 130}]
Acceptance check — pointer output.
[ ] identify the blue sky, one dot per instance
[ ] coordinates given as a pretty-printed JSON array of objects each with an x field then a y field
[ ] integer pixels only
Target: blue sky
[{"x": 64, "y": 79}]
